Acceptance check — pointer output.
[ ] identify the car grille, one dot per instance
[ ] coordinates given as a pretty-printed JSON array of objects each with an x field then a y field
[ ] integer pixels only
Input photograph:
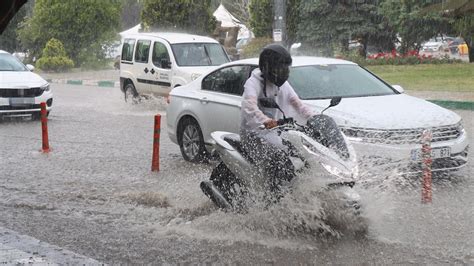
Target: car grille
[
  {"x": 22, "y": 107},
  {"x": 20, "y": 93},
  {"x": 401, "y": 136}
]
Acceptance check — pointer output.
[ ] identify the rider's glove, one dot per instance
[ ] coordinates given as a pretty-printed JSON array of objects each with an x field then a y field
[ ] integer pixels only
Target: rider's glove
[{"x": 270, "y": 123}]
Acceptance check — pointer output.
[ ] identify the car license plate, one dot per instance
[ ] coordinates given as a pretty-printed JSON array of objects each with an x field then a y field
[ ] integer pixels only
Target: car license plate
[
  {"x": 436, "y": 153},
  {"x": 21, "y": 101}
]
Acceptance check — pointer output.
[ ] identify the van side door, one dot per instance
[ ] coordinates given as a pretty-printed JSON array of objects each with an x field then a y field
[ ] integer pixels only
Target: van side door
[
  {"x": 141, "y": 66},
  {"x": 160, "y": 69}
]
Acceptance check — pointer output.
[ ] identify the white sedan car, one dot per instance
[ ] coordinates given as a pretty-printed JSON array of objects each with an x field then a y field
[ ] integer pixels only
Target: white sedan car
[
  {"x": 21, "y": 91},
  {"x": 381, "y": 121}
]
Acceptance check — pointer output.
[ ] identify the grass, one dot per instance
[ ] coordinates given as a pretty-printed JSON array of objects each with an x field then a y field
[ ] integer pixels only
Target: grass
[{"x": 441, "y": 77}]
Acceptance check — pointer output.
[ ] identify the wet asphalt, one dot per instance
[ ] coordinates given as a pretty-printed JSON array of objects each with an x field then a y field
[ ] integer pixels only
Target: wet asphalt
[{"x": 94, "y": 194}]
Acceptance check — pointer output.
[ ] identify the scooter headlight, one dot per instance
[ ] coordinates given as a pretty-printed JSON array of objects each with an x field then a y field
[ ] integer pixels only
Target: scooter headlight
[{"x": 335, "y": 171}]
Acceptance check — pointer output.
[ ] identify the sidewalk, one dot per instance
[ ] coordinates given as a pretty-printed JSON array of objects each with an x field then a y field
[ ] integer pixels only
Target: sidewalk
[
  {"x": 110, "y": 78},
  {"x": 18, "y": 249}
]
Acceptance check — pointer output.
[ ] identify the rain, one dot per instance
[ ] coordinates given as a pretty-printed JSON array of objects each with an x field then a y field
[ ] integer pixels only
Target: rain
[{"x": 94, "y": 193}]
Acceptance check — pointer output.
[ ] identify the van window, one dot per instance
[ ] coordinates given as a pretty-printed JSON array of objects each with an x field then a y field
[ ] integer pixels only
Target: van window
[
  {"x": 127, "y": 49},
  {"x": 143, "y": 50},
  {"x": 199, "y": 54},
  {"x": 159, "y": 53}
]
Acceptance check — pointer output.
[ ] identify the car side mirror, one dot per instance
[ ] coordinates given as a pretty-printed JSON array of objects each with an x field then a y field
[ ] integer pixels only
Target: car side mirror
[
  {"x": 30, "y": 67},
  {"x": 398, "y": 88},
  {"x": 165, "y": 63}
]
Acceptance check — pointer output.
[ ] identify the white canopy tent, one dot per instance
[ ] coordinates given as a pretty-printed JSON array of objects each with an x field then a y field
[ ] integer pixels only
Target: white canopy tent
[
  {"x": 134, "y": 29},
  {"x": 228, "y": 20}
]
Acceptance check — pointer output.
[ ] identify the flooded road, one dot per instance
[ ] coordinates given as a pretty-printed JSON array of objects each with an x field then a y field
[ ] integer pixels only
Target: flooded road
[{"x": 94, "y": 194}]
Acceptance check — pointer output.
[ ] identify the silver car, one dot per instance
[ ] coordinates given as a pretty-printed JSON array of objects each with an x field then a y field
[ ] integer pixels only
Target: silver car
[{"x": 383, "y": 123}]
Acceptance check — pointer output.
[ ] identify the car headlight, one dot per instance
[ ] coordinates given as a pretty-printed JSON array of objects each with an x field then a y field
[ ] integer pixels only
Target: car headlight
[
  {"x": 45, "y": 87},
  {"x": 195, "y": 76},
  {"x": 461, "y": 127}
]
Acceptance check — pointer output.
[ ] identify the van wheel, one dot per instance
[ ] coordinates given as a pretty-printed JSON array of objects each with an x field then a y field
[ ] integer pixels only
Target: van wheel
[
  {"x": 191, "y": 141},
  {"x": 131, "y": 94}
]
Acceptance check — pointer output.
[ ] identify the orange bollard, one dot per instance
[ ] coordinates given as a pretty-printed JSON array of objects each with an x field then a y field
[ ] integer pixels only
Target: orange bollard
[
  {"x": 426, "y": 193},
  {"x": 155, "y": 161},
  {"x": 44, "y": 127}
]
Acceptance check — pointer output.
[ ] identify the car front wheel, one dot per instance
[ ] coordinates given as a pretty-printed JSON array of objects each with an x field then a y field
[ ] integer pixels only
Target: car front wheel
[
  {"x": 131, "y": 94},
  {"x": 191, "y": 141}
]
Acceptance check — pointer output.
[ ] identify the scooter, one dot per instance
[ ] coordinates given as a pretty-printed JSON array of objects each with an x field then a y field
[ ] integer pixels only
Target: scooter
[{"x": 237, "y": 183}]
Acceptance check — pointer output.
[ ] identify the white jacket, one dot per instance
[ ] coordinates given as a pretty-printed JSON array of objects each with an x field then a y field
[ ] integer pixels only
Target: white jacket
[{"x": 253, "y": 115}]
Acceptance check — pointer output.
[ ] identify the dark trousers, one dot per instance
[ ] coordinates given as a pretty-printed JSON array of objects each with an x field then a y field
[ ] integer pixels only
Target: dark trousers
[{"x": 265, "y": 148}]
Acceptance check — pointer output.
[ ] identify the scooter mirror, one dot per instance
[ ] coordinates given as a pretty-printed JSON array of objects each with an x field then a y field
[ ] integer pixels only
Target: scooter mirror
[{"x": 335, "y": 101}]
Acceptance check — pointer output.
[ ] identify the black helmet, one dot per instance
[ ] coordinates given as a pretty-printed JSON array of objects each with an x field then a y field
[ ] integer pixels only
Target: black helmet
[{"x": 274, "y": 62}]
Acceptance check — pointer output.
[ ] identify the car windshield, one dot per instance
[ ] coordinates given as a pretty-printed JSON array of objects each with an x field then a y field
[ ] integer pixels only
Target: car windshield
[
  {"x": 328, "y": 81},
  {"x": 199, "y": 54},
  {"x": 10, "y": 63}
]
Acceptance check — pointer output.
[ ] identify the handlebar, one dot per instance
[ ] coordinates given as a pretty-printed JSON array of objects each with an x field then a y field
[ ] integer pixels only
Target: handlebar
[
  {"x": 285, "y": 121},
  {"x": 286, "y": 124}
]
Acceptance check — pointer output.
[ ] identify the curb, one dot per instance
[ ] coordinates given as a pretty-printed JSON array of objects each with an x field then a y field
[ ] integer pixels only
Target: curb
[
  {"x": 461, "y": 105},
  {"x": 18, "y": 249},
  {"x": 97, "y": 83}
]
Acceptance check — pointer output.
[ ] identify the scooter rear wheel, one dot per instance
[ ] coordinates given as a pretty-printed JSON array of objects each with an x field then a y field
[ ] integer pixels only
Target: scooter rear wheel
[{"x": 228, "y": 184}]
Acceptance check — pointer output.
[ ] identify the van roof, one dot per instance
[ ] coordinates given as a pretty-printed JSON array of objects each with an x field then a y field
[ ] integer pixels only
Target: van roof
[{"x": 173, "y": 37}]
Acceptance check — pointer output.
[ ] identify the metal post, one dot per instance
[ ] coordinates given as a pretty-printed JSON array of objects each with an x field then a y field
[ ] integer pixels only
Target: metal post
[
  {"x": 279, "y": 21},
  {"x": 155, "y": 161},
  {"x": 44, "y": 127},
  {"x": 426, "y": 193}
]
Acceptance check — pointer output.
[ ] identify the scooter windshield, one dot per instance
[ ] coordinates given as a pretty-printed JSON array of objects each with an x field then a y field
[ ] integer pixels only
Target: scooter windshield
[{"x": 324, "y": 129}]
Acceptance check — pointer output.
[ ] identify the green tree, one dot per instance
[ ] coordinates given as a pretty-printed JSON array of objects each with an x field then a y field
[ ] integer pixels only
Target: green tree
[
  {"x": 54, "y": 57},
  {"x": 9, "y": 38},
  {"x": 293, "y": 19},
  {"x": 83, "y": 26},
  {"x": 131, "y": 10},
  {"x": 325, "y": 24},
  {"x": 413, "y": 25},
  {"x": 261, "y": 17},
  {"x": 191, "y": 16}
]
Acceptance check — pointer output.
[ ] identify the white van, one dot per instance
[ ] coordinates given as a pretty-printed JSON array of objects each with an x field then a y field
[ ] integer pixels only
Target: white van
[{"x": 154, "y": 63}]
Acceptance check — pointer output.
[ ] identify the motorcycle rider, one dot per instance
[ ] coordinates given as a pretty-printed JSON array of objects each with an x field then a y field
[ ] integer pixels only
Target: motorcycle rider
[{"x": 264, "y": 146}]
